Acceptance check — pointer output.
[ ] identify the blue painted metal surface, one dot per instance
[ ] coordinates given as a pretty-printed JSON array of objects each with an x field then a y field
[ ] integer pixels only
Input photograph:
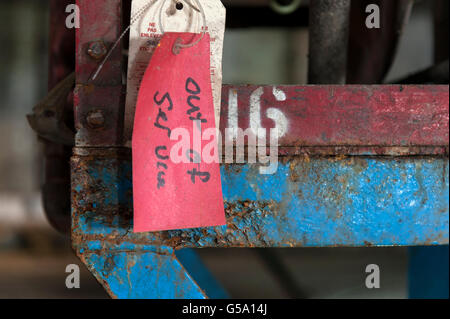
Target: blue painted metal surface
[
  {"x": 355, "y": 201},
  {"x": 161, "y": 273},
  {"x": 428, "y": 272},
  {"x": 196, "y": 268},
  {"x": 140, "y": 275},
  {"x": 320, "y": 202}
]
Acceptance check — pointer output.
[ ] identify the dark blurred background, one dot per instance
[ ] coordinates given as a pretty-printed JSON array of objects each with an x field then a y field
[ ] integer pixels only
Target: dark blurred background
[{"x": 33, "y": 256}]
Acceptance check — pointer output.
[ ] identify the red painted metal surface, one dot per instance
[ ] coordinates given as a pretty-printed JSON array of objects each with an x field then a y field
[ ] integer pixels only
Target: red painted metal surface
[
  {"x": 100, "y": 20},
  {"x": 414, "y": 119},
  {"x": 61, "y": 43},
  {"x": 323, "y": 120},
  {"x": 101, "y": 24},
  {"x": 392, "y": 120}
]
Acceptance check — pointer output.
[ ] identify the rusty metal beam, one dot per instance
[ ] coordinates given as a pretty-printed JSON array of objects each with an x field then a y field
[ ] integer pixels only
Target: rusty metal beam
[
  {"x": 308, "y": 202},
  {"x": 311, "y": 200}
]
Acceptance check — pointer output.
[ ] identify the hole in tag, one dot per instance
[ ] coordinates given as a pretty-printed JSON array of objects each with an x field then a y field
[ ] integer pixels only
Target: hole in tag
[{"x": 179, "y": 6}]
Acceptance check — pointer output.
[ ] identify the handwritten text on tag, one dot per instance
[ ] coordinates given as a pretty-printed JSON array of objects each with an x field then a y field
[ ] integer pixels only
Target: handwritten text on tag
[{"x": 176, "y": 179}]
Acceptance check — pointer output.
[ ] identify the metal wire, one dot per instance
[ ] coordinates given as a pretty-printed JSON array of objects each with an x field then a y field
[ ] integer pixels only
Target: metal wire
[
  {"x": 178, "y": 44},
  {"x": 136, "y": 17}
]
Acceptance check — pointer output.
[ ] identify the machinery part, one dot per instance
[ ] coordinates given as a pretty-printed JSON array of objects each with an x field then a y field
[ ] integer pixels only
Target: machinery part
[
  {"x": 329, "y": 29},
  {"x": 318, "y": 202},
  {"x": 56, "y": 184},
  {"x": 97, "y": 50},
  {"x": 155, "y": 275},
  {"x": 370, "y": 169},
  {"x": 48, "y": 118},
  {"x": 372, "y": 51},
  {"x": 56, "y": 187},
  {"x": 348, "y": 120},
  {"x": 348, "y": 202},
  {"x": 104, "y": 94},
  {"x": 394, "y": 198}
]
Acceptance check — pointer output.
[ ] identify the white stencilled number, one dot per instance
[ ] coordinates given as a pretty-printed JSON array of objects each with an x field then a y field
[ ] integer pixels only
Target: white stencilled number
[{"x": 281, "y": 122}]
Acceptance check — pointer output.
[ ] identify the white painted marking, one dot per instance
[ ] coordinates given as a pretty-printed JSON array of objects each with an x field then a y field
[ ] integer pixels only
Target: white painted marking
[
  {"x": 279, "y": 94},
  {"x": 280, "y": 119},
  {"x": 255, "y": 113},
  {"x": 232, "y": 114}
]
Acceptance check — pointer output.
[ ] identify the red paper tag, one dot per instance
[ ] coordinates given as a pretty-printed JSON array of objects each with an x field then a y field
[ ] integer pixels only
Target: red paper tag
[{"x": 174, "y": 111}]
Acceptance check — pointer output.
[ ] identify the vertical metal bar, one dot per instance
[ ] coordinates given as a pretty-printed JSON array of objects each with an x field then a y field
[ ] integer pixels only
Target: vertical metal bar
[
  {"x": 329, "y": 29},
  {"x": 194, "y": 265},
  {"x": 56, "y": 188},
  {"x": 99, "y": 104}
]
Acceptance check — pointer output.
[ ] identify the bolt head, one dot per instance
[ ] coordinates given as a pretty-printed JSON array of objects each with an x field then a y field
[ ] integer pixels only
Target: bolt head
[
  {"x": 95, "y": 119},
  {"x": 97, "y": 50}
]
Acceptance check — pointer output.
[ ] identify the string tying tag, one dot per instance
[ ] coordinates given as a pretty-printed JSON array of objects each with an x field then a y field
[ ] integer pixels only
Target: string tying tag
[
  {"x": 178, "y": 45},
  {"x": 172, "y": 16}
]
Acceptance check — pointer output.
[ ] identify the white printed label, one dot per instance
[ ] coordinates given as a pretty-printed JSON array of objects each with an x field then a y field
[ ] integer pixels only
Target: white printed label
[{"x": 145, "y": 34}]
